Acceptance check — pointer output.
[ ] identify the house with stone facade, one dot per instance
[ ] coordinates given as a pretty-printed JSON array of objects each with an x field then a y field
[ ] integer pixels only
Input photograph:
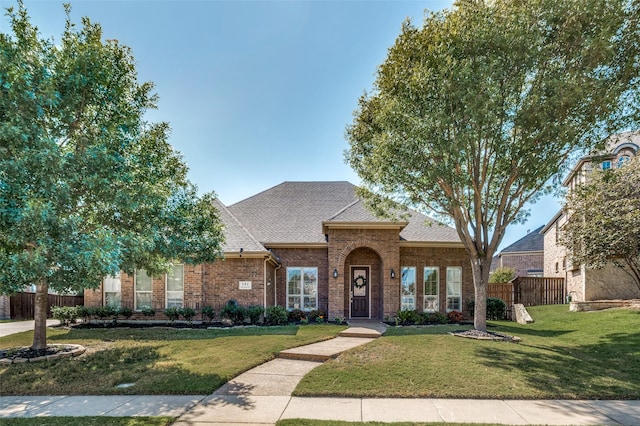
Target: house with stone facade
[
  {"x": 590, "y": 284},
  {"x": 312, "y": 246}
]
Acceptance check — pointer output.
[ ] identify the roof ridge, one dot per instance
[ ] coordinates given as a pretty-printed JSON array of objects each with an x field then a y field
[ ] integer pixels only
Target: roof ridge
[
  {"x": 244, "y": 229},
  {"x": 344, "y": 209}
]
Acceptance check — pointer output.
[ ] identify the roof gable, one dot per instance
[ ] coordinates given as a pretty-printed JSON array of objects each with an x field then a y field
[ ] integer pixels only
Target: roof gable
[
  {"x": 533, "y": 241},
  {"x": 236, "y": 236}
]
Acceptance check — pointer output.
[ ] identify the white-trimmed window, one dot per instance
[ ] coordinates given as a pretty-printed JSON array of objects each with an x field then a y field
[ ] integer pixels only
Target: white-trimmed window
[
  {"x": 302, "y": 288},
  {"x": 431, "y": 287},
  {"x": 112, "y": 290},
  {"x": 408, "y": 295},
  {"x": 143, "y": 284},
  {"x": 606, "y": 165},
  {"x": 454, "y": 288},
  {"x": 175, "y": 287}
]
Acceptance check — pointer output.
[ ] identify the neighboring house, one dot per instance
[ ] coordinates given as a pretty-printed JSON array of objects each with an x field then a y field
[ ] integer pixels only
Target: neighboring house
[
  {"x": 525, "y": 256},
  {"x": 590, "y": 284},
  {"x": 313, "y": 245}
]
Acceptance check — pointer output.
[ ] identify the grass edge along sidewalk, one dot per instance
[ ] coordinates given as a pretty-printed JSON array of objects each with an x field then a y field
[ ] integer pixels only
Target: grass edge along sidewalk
[
  {"x": 562, "y": 355},
  {"x": 156, "y": 361}
]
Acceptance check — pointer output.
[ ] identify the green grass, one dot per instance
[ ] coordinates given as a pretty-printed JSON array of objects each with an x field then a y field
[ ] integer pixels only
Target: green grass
[
  {"x": 159, "y": 361},
  {"x": 88, "y": 421},
  {"x": 566, "y": 355}
]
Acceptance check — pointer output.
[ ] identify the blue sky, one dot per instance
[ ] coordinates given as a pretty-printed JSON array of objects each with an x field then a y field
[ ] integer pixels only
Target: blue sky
[{"x": 256, "y": 92}]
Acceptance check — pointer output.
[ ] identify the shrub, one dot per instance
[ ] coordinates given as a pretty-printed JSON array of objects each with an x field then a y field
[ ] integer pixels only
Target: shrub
[
  {"x": 86, "y": 312},
  {"x": 296, "y": 315},
  {"x": 148, "y": 312},
  {"x": 125, "y": 311},
  {"x": 187, "y": 313},
  {"x": 504, "y": 274},
  {"x": 173, "y": 313},
  {"x": 276, "y": 315},
  {"x": 436, "y": 318},
  {"x": 254, "y": 312},
  {"x": 104, "y": 312},
  {"x": 454, "y": 316},
  {"x": 233, "y": 311},
  {"x": 496, "y": 309},
  {"x": 317, "y": 315},
  {"x": 208, "y": 312},
  {"x": 66, "y": 314},
  {"x": 339, "y": 321},
  {"x": 408, "y": 317}
]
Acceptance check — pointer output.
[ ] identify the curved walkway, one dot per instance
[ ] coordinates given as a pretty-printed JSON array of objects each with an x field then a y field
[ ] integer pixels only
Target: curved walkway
[{"x": 263, "y": 396}]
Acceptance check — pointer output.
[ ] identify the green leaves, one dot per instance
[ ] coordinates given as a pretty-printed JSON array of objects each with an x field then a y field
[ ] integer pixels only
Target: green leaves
[{"x": 87, "y": 187}]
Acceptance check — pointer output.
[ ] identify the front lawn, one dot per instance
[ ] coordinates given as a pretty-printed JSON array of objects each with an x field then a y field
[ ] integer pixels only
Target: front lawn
[
  {"x": 565, "y": 355},
  {"x": 157, "y": 361}
]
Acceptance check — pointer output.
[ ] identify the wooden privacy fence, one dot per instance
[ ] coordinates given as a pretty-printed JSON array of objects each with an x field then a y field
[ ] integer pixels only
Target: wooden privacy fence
[
  {"x": 22, "y": 304},
  {"x": 530, "y": 291}
]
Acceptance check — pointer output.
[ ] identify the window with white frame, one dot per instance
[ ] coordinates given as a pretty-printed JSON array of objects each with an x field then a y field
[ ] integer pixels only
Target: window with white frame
[
  {"x": 302, "y": 288},
  {"x": 175, "y": 287},
  {"x": 454, "y": 288},
  {"x": 408, "y": 295},
  {"x": 143, "y": 290},
  {"x": 431, "y": 284},
  {"x": 606, "y": 165},
  {"x": 112, "y": 290}
]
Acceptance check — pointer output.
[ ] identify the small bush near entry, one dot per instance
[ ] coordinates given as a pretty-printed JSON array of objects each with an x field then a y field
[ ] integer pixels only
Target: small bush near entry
[
  {"x": 66, "y": 314},
  {"x": 276, "y": 315},
  {"x": 408, "y": 317},
  {"x": 233, "y": 311},
  {"x": 172, "y": 313},
  {"x": 435, "y": 318},
  {"x": 496, "y": 308},
  {"x": 86, "y": 312},
  {"x": 454, "y": 316},
  {"x": 208, "y": 312},
  {"x": 296, "y": 315},
  {"x": 187, "y": 313},
  {"x": 317, "y": 315},
  {"x": 254, "y": 312}
]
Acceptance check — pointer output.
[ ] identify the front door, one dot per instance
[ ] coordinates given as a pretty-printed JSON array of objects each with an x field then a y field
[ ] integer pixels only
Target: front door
[{"x": 360, "y": 292}]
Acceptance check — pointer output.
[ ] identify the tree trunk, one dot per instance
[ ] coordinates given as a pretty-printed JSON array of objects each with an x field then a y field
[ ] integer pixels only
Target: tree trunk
[
  {"x": 40, "y": 315},
  {"x": 480, "y": 268}
]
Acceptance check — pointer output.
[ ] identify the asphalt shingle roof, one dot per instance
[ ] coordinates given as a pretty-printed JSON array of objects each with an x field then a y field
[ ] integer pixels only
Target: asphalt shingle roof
[
  {"x": 533, "y": 241},
  {"x": 293, "y": 212},
  {"x": 236, "y": 236}
]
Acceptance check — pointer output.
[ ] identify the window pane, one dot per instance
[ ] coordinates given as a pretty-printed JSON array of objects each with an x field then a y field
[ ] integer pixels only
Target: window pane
[
  {"x": 431, "y": 287},
  {"x": 310, "y": 281},
  {"x": 174, "y": 279},
  {"x": 174, "y": 299},
  {"x": 143, "y": 300},
  {"x": 112, "y": 299},
  {"x": 112, "y": 283},
  {"x": 309, "y": 303},
  {"x": 143, "y": 281},
  {"x": 408, "y": 300},
  {"x": 293, "y": 302},
  {"x": 454, "y": 288},
  {"x": 293, "y": 280}
]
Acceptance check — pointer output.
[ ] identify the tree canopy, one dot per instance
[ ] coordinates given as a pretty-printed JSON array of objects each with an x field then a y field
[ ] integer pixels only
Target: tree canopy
[
  {"x": 87, "y": 186},
  {"x": 603, "y": 220},
  {"x": 474, "y": 112}
]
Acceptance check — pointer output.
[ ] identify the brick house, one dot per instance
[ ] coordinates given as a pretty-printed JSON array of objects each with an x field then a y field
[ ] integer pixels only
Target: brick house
[
  {"x": 525, "y": 256},
  {"x": 590, "y": 284},
  {"x": 313, "y": 245}
]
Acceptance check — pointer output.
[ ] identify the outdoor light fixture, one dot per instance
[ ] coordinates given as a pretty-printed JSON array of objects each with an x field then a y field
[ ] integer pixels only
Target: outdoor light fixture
[
  {"x": 393, "y": 274},
  {"x": 335, "y": 273}
]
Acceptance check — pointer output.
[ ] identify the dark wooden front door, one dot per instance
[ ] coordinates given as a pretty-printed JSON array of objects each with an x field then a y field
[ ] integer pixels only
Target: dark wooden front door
[{"x": 360, "y": 291}]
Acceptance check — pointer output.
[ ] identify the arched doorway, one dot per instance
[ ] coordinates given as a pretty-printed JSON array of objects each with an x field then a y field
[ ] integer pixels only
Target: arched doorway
[{"x": 363, "y": 284}]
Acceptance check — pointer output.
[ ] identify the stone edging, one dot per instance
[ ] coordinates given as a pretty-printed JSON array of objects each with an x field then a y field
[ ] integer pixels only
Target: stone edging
[{"x": 76, "y": 350}]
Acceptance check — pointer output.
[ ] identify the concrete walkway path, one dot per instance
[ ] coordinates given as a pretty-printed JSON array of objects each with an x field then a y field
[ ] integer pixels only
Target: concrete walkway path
[{"x": 262, "y": 396}]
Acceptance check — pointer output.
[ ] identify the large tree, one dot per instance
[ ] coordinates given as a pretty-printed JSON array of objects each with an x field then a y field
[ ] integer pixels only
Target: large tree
[
  {"x": 603, "y": 220},
  {"x": 474, "y": 112},
  {"x": 87, "y": 186}
]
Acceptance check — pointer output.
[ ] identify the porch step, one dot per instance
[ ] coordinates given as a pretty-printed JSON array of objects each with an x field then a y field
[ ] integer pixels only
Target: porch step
[{"x": 368, "y": 333}]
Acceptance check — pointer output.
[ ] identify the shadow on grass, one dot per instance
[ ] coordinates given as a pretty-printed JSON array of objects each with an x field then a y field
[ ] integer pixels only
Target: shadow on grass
[
  {"x": 142, "y": 367},
  {"x": 608, "y": 369},
  {"x": 524, "y": 331}
]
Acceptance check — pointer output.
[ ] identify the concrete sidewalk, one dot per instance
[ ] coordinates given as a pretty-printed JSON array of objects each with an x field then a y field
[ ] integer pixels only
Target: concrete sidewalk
[
  {"x": 263, "y": 396},
  {"x": 7, "y": 328}
]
